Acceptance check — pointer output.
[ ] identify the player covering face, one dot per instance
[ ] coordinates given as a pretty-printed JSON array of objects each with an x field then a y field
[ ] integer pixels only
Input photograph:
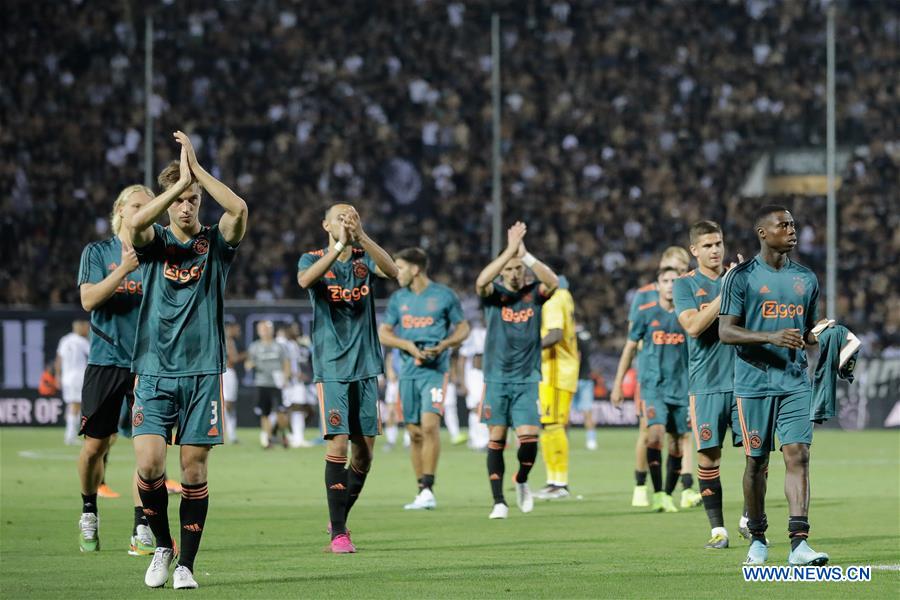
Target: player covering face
[{"x": 346, "y": 356}]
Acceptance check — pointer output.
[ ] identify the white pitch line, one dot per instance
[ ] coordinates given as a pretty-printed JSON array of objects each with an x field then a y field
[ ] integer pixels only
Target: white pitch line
[{"x": 885, "y": 567}]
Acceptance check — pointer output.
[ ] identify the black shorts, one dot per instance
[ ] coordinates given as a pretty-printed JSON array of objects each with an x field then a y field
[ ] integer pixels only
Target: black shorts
[
  {"x": 105, "y": 387},
  {"x": 267, "y": 398}
]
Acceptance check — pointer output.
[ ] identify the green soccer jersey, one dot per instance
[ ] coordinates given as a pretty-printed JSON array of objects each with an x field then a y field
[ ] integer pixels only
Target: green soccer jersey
[
  {"x": 644, "y": 296},
  {"x": 512, "y": 347},
  {"x": 426, "y": 319},
  {"x": 180, "y": 328},
  {"x": 114, "y": 323},
  {"x": 345, "y": 338},
  {"x": 766, "y": 299},
  {"x": 666, "y": 361},
  {"x": 711, "y": 363}
]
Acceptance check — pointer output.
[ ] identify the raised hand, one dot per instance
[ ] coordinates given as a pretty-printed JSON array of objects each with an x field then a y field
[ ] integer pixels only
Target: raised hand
[
  {"x": 352, "y": 222},
  {"x": 732, "y": 265},
  {"x": 129, "y": 257},
  {"x": 186, "y": 144},
  {"x": 515, "y": 235},
  {"x": 787, "y": 338},
  {"x": 184, "y": 169},
  {"x": 343, "y": 233}
]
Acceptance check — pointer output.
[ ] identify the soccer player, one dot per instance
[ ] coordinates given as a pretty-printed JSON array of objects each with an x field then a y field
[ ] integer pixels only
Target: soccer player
[
  {"x": 424, "y": 320},
  {"x": 295, "y": 398},
  {"x": 271, "y": 370},
  {"x": 346, "y": 356},
  {"x": 584, "y": 395},
  {"x": 512, "y": 361},
  {"x": 664, "y": 391},
  {"x": 111, "y": 290},
  {"x": 677, "y": 258},
  {"x": 710, "y": 368},
  {"x": 470, "y": 361},
  {"x": 393, "y": 411},
  {"x": 230, "y": 386},
  {"x": 179, "y": 354},
  {"x": 769, "y": 307},
  {"x": 559, "y": 380},
  {"x": 71, "y": 361}
]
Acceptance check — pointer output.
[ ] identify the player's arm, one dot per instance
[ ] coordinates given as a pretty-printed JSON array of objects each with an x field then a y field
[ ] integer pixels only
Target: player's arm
[
  {"x": 484, "y": 285},
  {"x": 730, "y": 332},
  {"x": 460, "y": 369},
  {"x": 248, "y": 361},
  {"x": 389, "y": 371},
  {"x": 454, "y": 340},
  {"x": 390, "y": 339},
  {"x": 552, "y": 319},
  {"x": 625, "y": 361},
  {"x": 312, "y": 274},
  {"x": 95, "y": 294},
  {"x": 549, "y": 280},
  {"x": 233, "y": 224},
  {"x": 385, "y": 267},
  {"x": 695, "y": 322},
  {"x": 140, "y": 227},
  {"x": 286, "y": 369}
]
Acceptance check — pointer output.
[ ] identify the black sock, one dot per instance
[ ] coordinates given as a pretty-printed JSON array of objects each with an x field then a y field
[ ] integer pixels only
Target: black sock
[
  {"x": 155, "y": 500},
  {"x": 673, "y": 470},
  {"x": 496, "y": 469},
  {"x": 640, "y": 477},
  {"x": 757, "y": 529},
  {"x": 654, "y": 463},
  {"x": 139, "y": 519},
  {"x": 798, "y": 530},
  {"x": 687, "y": 481},
  {"x": 105, "y": 462},
  {"x": 194, "y": 506},
  {"x": 420, "y": 484},
  {"x": 528, "y": 447},
  {"x": 711, "y": 491},
  {"x": 336, "y": 482},
  {"x": 89, "y": 503},
  {"x": 355, "y": 482},
  {"x": 427, "y": 481}
]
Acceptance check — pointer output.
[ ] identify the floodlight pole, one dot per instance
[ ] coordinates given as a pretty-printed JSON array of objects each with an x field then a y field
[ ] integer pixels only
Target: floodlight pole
[
  {"x": 831, "y": 256},
  {"x": 148, "y": 93},
  {"x": 496, "y": 200}
]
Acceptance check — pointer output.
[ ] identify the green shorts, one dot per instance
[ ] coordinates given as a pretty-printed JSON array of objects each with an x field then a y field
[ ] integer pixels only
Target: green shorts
[
  {"x": 510, "y": 404},
  {"x": 675, "y": 417},
  {"x": 349, "y": 407},
  {"x": 711, "y": 416},
  {"x": 421, "y": 395},
  {"x": 786, "y": 416},
  {"x": 193, "y": 405}
]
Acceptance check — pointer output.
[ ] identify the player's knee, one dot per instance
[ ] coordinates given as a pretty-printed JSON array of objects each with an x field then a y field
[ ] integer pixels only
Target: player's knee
[
  {"x": 94, "y": 448},
  {"x": 796, "y": 456}
]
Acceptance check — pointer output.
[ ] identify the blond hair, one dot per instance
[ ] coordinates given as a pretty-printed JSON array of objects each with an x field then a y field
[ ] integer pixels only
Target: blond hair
[
  {"x": 115, "y": 218},
  {"x": 676, "y": 252}
]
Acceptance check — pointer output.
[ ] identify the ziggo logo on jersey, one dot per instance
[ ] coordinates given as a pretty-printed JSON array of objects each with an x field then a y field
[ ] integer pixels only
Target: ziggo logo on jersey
[
  {"x": 516, "y": 316},
  {"x": 662, "y": 338},
  {"x": 176, "y": 273},
  {"x": 411, "y": 322},
  {"x": 773, "y": 310},
  {"x": 339, "y": 294}
]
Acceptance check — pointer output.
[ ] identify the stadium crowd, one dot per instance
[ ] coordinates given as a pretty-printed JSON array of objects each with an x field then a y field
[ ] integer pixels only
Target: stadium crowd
[{"x": 621, "y": 126}]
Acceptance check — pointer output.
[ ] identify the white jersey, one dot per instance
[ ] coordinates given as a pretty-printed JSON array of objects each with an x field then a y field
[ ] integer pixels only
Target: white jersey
[
  {"x": 474, "y": 378},
  {"x": 294, "y": 392},
  {"x": 73, "y": 351}
]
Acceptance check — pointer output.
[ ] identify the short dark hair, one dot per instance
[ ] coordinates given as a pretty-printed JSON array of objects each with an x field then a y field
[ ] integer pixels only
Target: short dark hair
[
  {"x": 666, "y": 270},
  {"x": 764, "y": 211},
  {"x": 414, "y": 256},
  {"x": 703, "y": 228}
]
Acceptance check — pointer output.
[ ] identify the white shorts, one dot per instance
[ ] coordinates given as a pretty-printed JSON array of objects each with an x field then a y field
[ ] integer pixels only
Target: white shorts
[
  {"x": 230, "y": 385},
  {"x": 71, "y": 389},
  {"x": 295, "y": 394},
  {"x": 392, "y": 392},
  {"x": 474, "y": 388},
  {"x": 450, "y": 396}
]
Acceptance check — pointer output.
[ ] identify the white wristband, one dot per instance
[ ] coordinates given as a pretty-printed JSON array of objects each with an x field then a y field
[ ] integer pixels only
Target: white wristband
[
  {"x": 529, "y": 260},
  {"x": 338, "y": 246}
]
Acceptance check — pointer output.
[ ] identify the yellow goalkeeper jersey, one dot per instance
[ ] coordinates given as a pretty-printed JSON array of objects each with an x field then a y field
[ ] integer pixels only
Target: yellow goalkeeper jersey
[{"x": 559, "y": 362}]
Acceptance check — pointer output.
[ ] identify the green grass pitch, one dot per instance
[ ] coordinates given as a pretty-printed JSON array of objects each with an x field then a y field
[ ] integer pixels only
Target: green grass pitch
[{"x": 265, "y": 533}]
